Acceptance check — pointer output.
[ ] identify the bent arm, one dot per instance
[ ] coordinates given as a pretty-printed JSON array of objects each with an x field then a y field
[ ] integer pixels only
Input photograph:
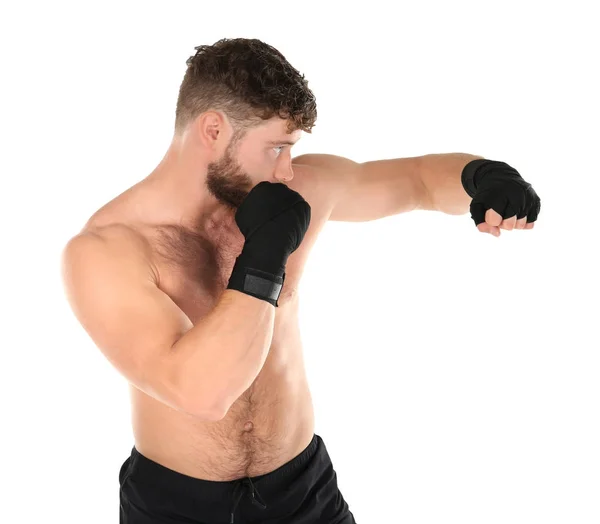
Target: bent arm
[
  {"x": 220, "y": 356},
  {"x": 199, "y": 369}
]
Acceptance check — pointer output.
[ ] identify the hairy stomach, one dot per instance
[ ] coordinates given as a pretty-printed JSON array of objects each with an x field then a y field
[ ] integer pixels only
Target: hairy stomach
[{"x": 268, "y": 425}]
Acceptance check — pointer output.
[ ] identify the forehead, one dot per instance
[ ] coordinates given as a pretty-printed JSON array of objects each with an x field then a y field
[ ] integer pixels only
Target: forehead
[{"x": 275, "y": 130}]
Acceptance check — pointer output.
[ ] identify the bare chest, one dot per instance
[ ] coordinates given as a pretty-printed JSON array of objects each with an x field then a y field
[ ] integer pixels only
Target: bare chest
[
  {"x": 194, "y": 272},
  {"x": 273, "y": 420}
]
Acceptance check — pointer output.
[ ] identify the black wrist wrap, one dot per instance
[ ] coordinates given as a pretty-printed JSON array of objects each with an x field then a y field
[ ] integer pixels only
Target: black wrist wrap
[{"x": 256, "y": 283}]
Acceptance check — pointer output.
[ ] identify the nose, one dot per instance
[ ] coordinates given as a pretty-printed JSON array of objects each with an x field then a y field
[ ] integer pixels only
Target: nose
[{"x": 283, "y": 169}]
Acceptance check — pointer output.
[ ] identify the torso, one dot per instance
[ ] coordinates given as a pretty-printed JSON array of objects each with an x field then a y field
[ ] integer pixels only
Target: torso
[{"x": 273, "y": 420}]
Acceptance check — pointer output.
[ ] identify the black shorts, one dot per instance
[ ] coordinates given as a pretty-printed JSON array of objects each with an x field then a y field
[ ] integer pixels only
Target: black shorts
[{"x": 302, "y": 491}]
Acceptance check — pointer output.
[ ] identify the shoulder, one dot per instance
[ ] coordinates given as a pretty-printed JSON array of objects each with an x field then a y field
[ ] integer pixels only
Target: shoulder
[
  {"x": 125, "y": 236},
  {"x": 323, "y": 177},
  {"x": 111, "y": 243},
  {"x": 324, "y": 161}
]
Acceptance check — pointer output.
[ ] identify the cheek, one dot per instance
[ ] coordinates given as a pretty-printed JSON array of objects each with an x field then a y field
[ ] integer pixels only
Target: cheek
[
  {"x": 248, "y": 158},
  {"x": 259, "y": 163}
]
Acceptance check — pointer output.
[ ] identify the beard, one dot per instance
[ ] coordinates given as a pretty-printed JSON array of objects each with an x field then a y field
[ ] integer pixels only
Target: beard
[{"x": 227, "y": 181}]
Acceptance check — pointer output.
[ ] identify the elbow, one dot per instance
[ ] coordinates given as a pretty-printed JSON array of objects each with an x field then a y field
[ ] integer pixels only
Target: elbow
[
  {"x": 203, "y": 403},
  {"x": 218, "y": 410},
  {"x": 202, "y": 411},
  {"x": 194, "y": 402},
  {"x": 210, "y": 415},
  {"x": 198, "y": 406}
]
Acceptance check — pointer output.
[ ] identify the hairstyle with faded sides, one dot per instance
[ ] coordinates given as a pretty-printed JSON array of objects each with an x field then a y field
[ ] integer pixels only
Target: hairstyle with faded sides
[{"x": 249, "y": 81}]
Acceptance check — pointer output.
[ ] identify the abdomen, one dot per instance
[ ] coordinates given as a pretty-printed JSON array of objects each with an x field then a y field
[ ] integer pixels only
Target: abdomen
[{"x": 269, "y": 424}]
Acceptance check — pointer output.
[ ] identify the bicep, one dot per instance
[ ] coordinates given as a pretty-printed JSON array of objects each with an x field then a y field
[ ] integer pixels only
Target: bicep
[
  {"x": 360, "y": 192},
  {"x": 112, "y": 293}
]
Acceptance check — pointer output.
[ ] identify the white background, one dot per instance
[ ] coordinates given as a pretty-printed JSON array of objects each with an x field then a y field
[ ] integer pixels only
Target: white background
[{"x": 455, "y": 375}]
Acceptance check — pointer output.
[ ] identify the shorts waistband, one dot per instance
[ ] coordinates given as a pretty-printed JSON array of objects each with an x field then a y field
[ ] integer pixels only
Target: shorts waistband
[{"x": 142, "y": 467}]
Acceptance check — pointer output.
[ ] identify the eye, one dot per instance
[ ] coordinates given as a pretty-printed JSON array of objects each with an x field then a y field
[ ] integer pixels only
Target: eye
[{"x": 278, "y": 149}]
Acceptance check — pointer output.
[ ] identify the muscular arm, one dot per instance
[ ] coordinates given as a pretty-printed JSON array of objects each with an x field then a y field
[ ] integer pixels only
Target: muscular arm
[
  {"x": 226, "y": 350},
  {"x": 200, "y": 369},
  {"x": 360, "y": 192}
]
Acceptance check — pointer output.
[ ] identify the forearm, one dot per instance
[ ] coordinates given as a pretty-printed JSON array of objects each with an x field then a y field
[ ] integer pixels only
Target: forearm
[
  {"x": 219, "y": 358},
  {"x": 440, "y": 174}
]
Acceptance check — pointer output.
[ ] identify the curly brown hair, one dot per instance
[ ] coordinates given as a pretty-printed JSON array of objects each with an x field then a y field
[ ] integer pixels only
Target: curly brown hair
[{"x": 248, "y": 80}]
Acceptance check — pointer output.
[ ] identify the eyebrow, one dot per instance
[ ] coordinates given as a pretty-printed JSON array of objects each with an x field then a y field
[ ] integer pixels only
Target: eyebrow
[{"x": 287, "y": 142}]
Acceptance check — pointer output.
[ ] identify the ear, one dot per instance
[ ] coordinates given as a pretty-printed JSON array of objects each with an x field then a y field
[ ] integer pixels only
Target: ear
[{"x": 214, "y": 131}]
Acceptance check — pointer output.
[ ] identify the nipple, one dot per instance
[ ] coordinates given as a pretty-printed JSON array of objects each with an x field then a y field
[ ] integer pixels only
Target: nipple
[{"x": 248, "y": 426}]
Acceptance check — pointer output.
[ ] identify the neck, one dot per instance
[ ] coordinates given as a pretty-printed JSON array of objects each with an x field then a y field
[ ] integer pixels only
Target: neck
[{"x": 177, "y": 188}]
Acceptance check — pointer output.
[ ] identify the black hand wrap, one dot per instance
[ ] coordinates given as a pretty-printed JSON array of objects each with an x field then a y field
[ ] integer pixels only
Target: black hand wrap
[
  {"x": 273, "y": 219},
  {"x": 498, "y": 186}
]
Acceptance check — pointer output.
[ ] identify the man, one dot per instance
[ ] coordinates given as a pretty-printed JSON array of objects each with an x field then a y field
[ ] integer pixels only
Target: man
[{"x": 187, "y": 282}]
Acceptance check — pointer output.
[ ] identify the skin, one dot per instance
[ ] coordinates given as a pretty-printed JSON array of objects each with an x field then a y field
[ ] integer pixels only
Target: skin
[
  {"x": 183, "y": 209},
  {"x": 494, "y": 223},
  {"x": 206, "y": 179},
  {"x": 177, "y": 227}
]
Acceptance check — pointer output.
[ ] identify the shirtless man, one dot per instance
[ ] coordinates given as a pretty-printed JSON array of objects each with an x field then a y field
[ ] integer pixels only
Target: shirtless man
[{"x": 187, "y": 282}]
